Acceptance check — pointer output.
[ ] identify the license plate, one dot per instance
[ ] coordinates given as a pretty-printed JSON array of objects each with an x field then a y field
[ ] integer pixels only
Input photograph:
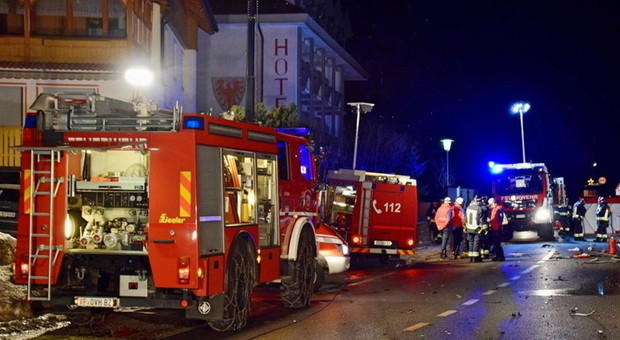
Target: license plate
[
  {"x": 9, "y": 214},
  {"x": 96, "y": 302},
  {"x": 520, "y": 216},
  {"x": 383, "y": 243}
]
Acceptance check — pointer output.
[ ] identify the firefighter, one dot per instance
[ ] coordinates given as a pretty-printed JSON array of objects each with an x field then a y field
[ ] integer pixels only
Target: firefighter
[
  {"x": 602, "y": 220},
  {"x": 579, "y": 213},
  {"x": 496, "y": 220},
  {"x": 485, "y": 236},
  {"x": 433, "y": 232},
  {"x": 474, "y": 224},
  {"x": 563, "y": 216},
  {"x": 457, "y": 222},
  {"x": 442, "y": 219}
]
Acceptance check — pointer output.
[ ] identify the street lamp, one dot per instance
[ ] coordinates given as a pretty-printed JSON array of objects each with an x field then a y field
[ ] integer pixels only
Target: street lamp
[
  {"x": 139, "y": 77},
  {"x": 361, "y": 108},
  {"x": 521, "y": 108},
  {"x": 447, "y": 144}
]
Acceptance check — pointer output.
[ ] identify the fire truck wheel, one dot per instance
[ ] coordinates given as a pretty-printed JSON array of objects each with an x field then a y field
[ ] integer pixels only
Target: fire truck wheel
[
  {"x": 239, "y": 282},
  {"x": 545, "y": 232},
  {"x": 298, "y": 286},
  {"x": 319, "y": 276}
]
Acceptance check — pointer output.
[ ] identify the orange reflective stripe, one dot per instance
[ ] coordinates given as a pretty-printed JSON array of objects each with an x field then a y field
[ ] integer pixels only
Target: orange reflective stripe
[
  {"x": 27, "y": 192},
  {"x": 185, "y": 193}
]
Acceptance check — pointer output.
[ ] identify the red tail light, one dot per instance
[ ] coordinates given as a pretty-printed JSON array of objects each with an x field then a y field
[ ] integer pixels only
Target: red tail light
[
  {"x": 24, "y": 268},
  {"x": 410, "y": 242},
  {"x": 183, "y": 270},
  {"x": 356, "y": 239}
]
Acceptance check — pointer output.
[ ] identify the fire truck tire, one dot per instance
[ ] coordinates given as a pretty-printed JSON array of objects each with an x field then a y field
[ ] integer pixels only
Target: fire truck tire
[
  {"x": 240, "y": 279},
  {"x": 545, "y": 232},
  {"x": 297, "y": 287},
  {"x": 319, "y": 276}
]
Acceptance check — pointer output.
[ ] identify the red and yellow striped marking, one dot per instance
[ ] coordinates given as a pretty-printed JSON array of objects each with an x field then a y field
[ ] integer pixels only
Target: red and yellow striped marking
[
  {"x": 185, "y": 194},
  {"x": 361, "y": 250},
  {"x": 27, "y": 192}
]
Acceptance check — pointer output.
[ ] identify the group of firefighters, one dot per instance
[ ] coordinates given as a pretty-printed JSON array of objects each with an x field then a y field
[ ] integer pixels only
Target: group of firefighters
[
  {"x": 574, "y": 227},
  {"x": 482, "y": 224}
]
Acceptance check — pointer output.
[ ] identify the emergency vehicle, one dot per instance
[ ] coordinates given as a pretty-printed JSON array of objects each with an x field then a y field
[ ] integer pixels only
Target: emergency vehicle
[
  {"x": 127, "y": 205},
  {"x": 376, "y": 213},
  {"x": 525, "y": 191}
]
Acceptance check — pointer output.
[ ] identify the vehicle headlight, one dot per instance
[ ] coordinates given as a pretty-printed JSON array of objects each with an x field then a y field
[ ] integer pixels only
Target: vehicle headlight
[
  {"x": 542, "y": 215},
  {"x": 344, "y": 249}
]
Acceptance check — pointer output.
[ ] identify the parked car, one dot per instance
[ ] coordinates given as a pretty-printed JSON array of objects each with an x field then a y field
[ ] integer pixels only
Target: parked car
[{"x": 333, "y": 255}]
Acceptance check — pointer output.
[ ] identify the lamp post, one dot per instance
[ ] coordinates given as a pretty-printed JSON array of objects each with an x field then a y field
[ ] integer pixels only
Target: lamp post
[
  {"x": 521, "y": 108},
  {"x": 360, "y": 108},
  {"x": 447, "y": 144}
]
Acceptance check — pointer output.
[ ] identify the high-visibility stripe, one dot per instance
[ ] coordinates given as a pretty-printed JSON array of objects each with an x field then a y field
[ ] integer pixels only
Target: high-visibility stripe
[
  {"x": 185, "y": 195},
  {"x": 27, "y": 192},
  {"x": 362, "y": 250}
]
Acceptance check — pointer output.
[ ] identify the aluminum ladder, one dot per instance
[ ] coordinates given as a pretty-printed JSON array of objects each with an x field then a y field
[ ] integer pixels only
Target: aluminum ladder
[{"x": 42, "y": 189}]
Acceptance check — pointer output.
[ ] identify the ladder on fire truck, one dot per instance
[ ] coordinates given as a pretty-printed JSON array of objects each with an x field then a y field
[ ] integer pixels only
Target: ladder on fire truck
[{"x": 42, "y": 189}]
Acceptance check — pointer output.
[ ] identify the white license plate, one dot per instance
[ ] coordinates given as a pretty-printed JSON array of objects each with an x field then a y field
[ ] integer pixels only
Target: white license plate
[
  {"x": 9, "y": 214},
  {"x": 383, "y": 243},
  {"x": 96, "y": 302},
  {"x": 520, "y": 216}
]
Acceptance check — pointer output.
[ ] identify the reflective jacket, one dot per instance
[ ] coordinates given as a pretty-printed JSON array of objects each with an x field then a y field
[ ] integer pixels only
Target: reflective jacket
[
  {"x": 603, "y": 212},
  {"x": 458, "y": 218},
  {"x": 579, "y": 210},
  {"x": 475, "y": 218},
  {"x": 497, "y": 218},
  {"x": 443, "y": 216}
]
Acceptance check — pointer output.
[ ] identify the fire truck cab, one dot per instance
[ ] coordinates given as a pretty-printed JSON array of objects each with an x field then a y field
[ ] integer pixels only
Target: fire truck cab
[
  {"x": 128, "y": 205},
  {"x": 525, "y": 192},
  {"x": 376, "y": 213}
]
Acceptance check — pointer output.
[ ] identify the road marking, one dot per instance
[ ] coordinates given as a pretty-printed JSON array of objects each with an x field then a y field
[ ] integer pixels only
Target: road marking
[
  {"x": 446, "y": 313},
  {"x": 530, "y": 269},
  {"x": 548, "y": 256},
  {"x": 415, "y": 327},
  {"x": 516, "y": 277},
  {"x": 505, "y": 284},
  {"x": 470, "y": 302},
  {"x": 489, "y": 292}
]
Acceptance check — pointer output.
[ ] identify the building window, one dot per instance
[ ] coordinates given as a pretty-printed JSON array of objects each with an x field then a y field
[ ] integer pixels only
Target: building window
[
  {"x": 11, "y": 18},
  {"x": 12, "y": 104}
]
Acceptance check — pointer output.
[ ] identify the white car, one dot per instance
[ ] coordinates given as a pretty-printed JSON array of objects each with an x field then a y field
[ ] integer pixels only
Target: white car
[{"x": 333, "y": 254}]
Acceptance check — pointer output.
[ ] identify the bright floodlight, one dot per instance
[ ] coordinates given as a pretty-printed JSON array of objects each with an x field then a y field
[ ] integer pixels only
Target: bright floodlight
[
  {"x": 139, "y": 76},
  {"x": 520, "y": 107},
  {"x": 447, "y": 144}
]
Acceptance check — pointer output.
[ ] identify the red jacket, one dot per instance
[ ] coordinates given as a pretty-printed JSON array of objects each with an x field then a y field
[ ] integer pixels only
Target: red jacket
[
  {"x": 458, "y": 218},
  {"x": 443, "y": 215},
  {"x": 496, "y": 218}
]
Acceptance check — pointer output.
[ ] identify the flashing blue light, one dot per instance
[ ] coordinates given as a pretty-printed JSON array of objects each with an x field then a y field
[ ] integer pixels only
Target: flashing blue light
[
  {"x": 194, "y": 123},
  {"x": 30, "y": 122},
  {"x": 491, "y": 164},
  {"x": 497, "y": 169},
  {"x": 295, "y": 131}
]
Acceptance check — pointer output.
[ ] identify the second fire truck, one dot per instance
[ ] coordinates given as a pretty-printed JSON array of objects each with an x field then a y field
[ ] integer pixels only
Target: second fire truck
[
  {"x": 376, "y": 213},
  {"x": 127, "y": 205},
  {"x": 525, "y": 190}
]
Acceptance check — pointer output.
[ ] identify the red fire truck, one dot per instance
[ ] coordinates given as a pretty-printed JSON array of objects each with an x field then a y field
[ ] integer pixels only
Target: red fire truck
[
  {"x": 127, "y": 205},
  {"x": 525, "y": 191},
  {"x": 376, "y": 213}
]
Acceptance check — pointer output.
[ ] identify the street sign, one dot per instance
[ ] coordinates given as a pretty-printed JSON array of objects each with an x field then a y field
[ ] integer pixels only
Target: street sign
[
  {"x": 602, "y": 180},
  {"x": 618, "y": 190}
]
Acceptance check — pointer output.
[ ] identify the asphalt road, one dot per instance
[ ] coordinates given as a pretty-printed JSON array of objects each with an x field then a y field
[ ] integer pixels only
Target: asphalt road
[{"x": 540, "y": 292}]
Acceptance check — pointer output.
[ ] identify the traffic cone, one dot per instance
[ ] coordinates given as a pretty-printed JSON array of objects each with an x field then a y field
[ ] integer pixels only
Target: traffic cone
[{"x": 612, "y": 245}]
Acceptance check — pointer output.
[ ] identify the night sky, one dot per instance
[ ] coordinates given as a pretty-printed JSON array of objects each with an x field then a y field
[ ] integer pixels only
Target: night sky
[{"x": 452, "y": 69}]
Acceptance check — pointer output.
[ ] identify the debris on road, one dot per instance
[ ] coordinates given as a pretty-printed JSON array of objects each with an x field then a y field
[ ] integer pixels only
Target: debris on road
[
  {"x": 582, "y": 256},
  {"x": 574, "y": 312},
  {"x": 574, "y": 249},
  {"x": 546, "y": 245}
]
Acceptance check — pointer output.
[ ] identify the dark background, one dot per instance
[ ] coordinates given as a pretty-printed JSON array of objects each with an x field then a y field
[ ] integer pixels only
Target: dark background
[{"x": 452, "y": 69}]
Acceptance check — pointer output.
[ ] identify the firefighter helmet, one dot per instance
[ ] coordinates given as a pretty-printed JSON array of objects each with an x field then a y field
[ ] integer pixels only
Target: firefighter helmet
[
  {"x": 491, "y": 200},
  {"x": 447, "y": 200},
  {"x": 459, "y": 200},
  {"x": 601, "y": 199}
]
